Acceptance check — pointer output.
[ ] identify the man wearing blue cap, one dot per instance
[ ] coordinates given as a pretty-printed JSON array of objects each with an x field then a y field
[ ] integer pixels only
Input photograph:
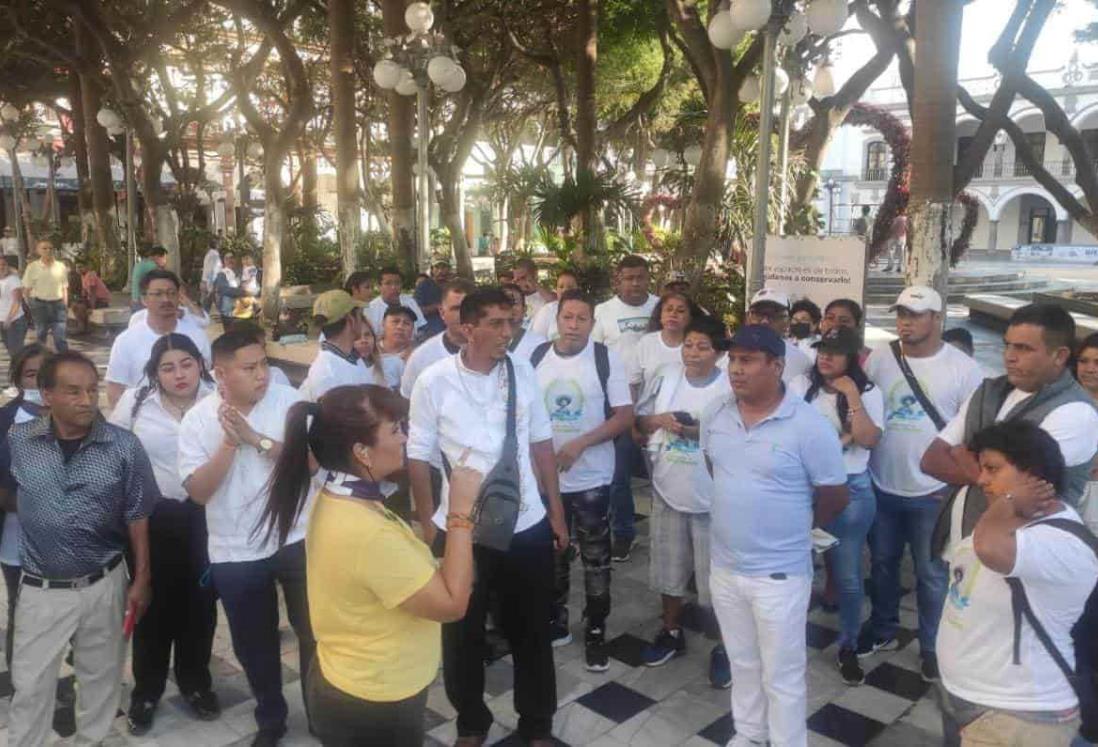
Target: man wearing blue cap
[{"x": 778, "y": 469}]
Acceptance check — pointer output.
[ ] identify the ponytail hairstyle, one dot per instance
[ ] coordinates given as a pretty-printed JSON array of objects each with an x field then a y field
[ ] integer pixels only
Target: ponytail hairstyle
[
  {"x": 343, "y": 417},
  {"x": 856, "y": 373},
  {"x": 171, "y": 341}
]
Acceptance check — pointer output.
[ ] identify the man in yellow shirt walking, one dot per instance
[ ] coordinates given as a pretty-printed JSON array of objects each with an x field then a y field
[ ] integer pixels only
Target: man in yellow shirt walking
[{"x": 46, "y": 286}]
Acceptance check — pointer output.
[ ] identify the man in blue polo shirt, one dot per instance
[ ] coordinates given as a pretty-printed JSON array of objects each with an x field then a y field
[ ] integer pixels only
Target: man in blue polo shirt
[{"x": 778, "y": 469}]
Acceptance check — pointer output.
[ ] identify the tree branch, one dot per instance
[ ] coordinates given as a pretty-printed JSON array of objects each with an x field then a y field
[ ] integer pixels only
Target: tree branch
[
  {"x": 647, "y": 100},
  {"x": 694, "y": 42}
]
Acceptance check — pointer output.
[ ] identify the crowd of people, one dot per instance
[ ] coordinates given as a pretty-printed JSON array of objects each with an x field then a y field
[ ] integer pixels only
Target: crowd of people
[{"x": 452, "y": 451}]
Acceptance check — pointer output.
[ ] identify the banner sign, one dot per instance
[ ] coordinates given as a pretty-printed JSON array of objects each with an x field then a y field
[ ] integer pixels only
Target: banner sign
[
  {"x": 1086, "y": 255},
  {"x": 818, "y": 268}
]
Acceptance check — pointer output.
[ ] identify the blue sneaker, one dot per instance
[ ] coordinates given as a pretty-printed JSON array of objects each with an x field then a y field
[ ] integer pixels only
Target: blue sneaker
[
  {"x": 720, "y": 671},
  {"x": 668, "y": 644}
]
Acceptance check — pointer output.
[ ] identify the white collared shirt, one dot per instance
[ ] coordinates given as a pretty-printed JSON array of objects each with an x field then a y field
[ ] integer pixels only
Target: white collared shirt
[
  {"x": 233, "y": 513},
  {"x": 329, "y": 370},
  {"x": 375, "y": 312},
  {"x": 158, "y": 431},
  {"x": 131, "y": 350},
  {"x": 454, "y": 409},
  {"x": 139, "y": 317},
  {"x": 431, "y": 351}
]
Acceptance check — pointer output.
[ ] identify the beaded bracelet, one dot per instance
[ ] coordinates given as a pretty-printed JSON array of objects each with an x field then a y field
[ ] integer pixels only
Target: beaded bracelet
[{"x": 458, "y": 521}]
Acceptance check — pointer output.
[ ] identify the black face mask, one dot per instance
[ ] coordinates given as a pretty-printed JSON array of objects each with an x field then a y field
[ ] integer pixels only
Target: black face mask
[{"x": 800, "y": 330}]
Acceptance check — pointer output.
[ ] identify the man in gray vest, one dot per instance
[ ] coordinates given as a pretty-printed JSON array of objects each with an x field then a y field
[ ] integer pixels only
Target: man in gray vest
[{"x": 1038, "y": 388}]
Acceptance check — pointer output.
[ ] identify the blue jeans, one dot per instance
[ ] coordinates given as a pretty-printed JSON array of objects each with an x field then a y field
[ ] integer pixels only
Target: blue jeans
[
  {"x": 248, "y": 593},
  {"x": 15, "y": 335},
  {"x": 903, "y": 521},
  {"x": 50, "y": 316},
  {"x": 622, "y": 508},
  {"x": 850, "y": 528}
]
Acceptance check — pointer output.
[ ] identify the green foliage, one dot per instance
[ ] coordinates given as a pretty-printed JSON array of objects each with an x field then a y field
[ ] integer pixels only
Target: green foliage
[
  {"x": 314, "y": 259},
  {"x": 193, "y": 243},
  {"x": 375, "y": 249},
  {"x": 556, "y": 206}
]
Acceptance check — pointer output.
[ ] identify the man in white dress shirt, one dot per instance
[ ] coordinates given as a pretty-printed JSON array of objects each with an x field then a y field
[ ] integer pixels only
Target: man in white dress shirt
[
  {"x": 392, "y": 280},
  {"x": 337, "y": 363},
  {"x": 524, "y": 274}
]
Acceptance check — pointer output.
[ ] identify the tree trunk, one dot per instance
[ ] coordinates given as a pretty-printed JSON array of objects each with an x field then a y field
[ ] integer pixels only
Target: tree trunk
[
  {"x": 274, "y": 231},
  {"x": 102, "y": 184},
  {"x": 587, "y": 52},
  {"x": 341, "y": 25},
  {"x": 450, "y": 205},
  {"x": 80, "y": 155},
  {"x": 21, "y": 206},
  {"x": 309, "y": 199},
  {"x": 702, "y": 218},
  {"x": 937, "y": 44},
  {"x": 401, "y": 118}
]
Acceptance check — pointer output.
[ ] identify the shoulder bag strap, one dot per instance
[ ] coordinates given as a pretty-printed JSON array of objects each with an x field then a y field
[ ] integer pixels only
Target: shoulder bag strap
[
  {"x": 602, "y": 367},
  {"x": 538, "y": 355},
  {"x": 510, "y": 442},
  {"x": 1020, "y": 605},
  {"x": 916, "y": 389},
  {"x": 513, "y": 346}
]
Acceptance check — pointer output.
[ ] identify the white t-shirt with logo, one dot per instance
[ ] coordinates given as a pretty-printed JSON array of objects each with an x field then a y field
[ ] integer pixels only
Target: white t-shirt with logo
[
  {"x": 649, "y": 355},
  {"x": 855, "y": 457},
  {"x": 678, "y": 470},
  {"x": 131, "y": 350},
  {"x": 8, "y": 286},
  {"x": 948, "y": 377},
  {"x": 619, "y": 325},
  {"x": 574, "y": 400},
  {"x": 976, "y": 634}
]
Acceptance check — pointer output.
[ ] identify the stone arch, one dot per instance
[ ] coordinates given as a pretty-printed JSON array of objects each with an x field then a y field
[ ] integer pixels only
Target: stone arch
[{"x": 1007, "y": 197}]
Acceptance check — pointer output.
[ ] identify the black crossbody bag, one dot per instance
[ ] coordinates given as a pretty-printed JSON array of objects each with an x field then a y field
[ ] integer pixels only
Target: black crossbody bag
[
  {"x": 916, "y": 389},
  {"x": 496, "y": 509}
]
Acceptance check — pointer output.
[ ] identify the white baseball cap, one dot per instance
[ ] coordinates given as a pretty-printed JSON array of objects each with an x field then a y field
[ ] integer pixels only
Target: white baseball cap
[
  {"x": 918, "y": 298},
  {"x": 769, "y": 295}
]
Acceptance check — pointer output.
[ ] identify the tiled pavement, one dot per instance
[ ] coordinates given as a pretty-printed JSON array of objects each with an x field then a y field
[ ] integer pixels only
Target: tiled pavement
[{"x": 628, "y": 705}]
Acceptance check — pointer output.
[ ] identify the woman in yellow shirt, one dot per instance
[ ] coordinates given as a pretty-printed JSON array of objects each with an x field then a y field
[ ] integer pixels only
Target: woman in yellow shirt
[{"x": 376, "y": 598}]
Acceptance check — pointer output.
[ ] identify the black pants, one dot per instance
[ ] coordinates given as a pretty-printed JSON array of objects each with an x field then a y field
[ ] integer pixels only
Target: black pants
[
  {"x": 183, "y": 611},
  {"x": 342, "y": 720},
  {"x": 248, "y": 592},
  {"x": 588, "y": 517},
  {"x": 522, "y": 577},
  {"x": 1086, "y": 658},
  {"x": 11, "y": 581}
]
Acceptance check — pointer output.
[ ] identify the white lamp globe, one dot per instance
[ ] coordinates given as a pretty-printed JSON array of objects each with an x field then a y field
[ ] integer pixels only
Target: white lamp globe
[
  {"x": 440, "y": 68},
  {"x": 407, "y": 85},
  {"x": 796, "y": 28},
  {"x": 255, "y": 150},
  {"x": 750, "y": 89},
  {"x": 116, "y": 131},
  {"x": 7, "y": 142},
  {"x": 107, "y": 118},
  {"x": 226, "y": 149},
  {"x": 455, "y": 81},
  {"x": 823, "y": 83},
  {"x": 749, "y": 15},
  {"x": 386, "y": 74},
  {"x": 660, "y": 157},
  {"x": 9, "y": 112},
  {"x": 826, "y": 17},
  {"x": 723, "y": 33},
  {"x": 692, "y": 155},
  {"x": 781, "y": 81},
  {"x": 419, "y": 18}
]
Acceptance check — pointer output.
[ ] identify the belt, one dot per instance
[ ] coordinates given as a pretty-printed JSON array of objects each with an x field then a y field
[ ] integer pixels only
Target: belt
[{"x": 71, "y": 583}]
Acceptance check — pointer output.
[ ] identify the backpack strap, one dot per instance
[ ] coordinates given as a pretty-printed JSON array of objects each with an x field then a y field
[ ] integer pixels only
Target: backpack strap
[
  {"x": 916, "y": 389},
  {"x": 538, "y": 355},
  {"x": 602, "y": 367},
  {"x": 516, "y": 340}
]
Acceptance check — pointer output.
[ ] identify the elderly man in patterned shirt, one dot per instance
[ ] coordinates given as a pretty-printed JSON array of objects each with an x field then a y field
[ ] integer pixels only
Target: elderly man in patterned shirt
[{"x": 84, "y": 489}]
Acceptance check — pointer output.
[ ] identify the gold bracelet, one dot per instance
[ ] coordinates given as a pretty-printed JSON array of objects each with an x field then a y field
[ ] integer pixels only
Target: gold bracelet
[
  {"x": 456, "y": 515},
  {"x": 458, "y": 523}
]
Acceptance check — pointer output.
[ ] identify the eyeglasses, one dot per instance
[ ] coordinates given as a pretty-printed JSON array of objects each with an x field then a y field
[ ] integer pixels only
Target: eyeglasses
[{"x": 162, "y": 294}]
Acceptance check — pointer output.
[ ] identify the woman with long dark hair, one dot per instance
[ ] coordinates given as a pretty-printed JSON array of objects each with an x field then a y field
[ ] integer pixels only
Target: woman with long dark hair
[
  {"x": 27, "y": 405},
  {"x": 840, "y": 391},
  {"x": 376, "y": 599},
  {"x": 662, "y": 345},
  {"x": 182, "y": 615}
]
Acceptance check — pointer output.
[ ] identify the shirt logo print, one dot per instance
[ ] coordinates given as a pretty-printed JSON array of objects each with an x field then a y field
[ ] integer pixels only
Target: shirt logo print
[
  {"x": 637, "y": 324},
  {"x": 904, "y": 410},
  {"x": 565, "y": 401}
]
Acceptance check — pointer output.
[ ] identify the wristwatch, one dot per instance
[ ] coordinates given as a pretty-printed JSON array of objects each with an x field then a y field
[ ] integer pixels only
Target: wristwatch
[{"x": 265, "y": 445}]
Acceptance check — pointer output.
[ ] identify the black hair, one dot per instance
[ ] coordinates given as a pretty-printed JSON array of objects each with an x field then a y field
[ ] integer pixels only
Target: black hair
[
  {"x": 19, "y": 362},
  {"x": 514, "y": 289},
  {"x": 419, "y": 276},
  {"x": 1057, "y": 323},
  {"x": 526, "y": 264},
  {"x": 158, "y": 274},
  {"x": 232, "y": 341},
  {"x": 1091, "y": 341},
  {"x": 570, "y": 273},
  {"x": 355, "y": 279},
  {"x": 156, "y": 251},
  {"x": 341, "y": 418},
  {"x": 171, "y": 341},
  {"x": 712, "y": 328},
  {"x": 575, "y": 294},
  {"x": 475, "y": 305},
  {"x": 856, "y": 373},
  {"x": 1026, "y": 446},
  {"x": 11, "y": 259},
  {"x": 807, "y": 305},
  {"x": 47, "y": 374},
  {"x": 850, "y": 305},
  {"x": 655, "y": 324},
  {"x": 332, "y": 329},
  {"x": 632, "y": 261},
  {"x": 249, "y": 327},
  {"x": 960, "y": 335},
  {"x": 391, "y": 270},
  {"x": 458, "y": 285},
  {"x": 400, "y": 311}
]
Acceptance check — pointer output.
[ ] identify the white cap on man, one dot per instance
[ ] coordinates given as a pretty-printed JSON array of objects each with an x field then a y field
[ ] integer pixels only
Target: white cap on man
[
  {"x": 918, "y": 299},
  {"x": 770, "y": 295}
]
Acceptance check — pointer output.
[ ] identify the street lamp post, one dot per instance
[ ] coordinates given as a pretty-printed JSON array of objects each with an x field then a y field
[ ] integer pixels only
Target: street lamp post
[
  {"x": 833, "y": 188},
  {"x": 411, "y": 63}
]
